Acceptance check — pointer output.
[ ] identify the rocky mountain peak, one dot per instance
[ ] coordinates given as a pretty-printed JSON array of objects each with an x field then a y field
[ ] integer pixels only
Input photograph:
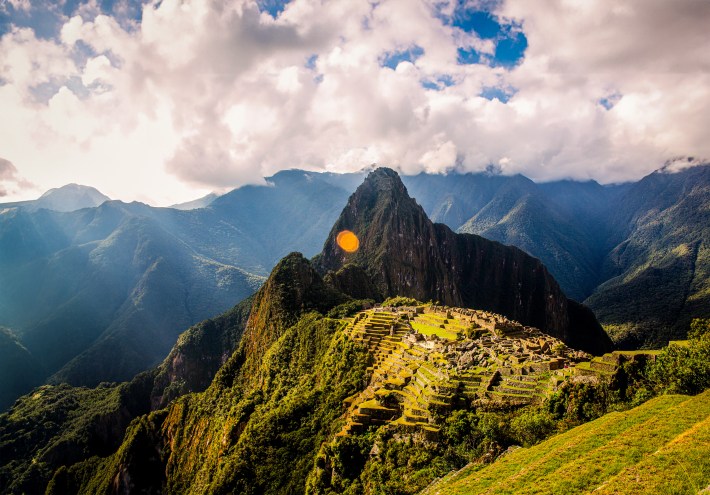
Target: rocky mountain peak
[{"x": 401, "y": 252}]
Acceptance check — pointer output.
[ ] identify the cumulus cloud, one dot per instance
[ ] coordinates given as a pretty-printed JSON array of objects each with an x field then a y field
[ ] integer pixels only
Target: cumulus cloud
[{"x": 197, "y": 95}]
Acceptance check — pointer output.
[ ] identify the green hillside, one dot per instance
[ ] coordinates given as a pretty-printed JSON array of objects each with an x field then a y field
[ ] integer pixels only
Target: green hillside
[
  {"x": 661, "y": 446},
  {"x": 59, "y": 425},
  {"x": 657, "y": 275}
]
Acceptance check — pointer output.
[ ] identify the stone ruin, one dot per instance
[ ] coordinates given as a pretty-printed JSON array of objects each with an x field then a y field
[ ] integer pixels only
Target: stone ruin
[{"x": 430, "y": 359}]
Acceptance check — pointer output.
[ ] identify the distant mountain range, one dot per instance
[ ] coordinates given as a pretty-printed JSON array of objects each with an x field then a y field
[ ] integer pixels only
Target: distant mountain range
[
  {"x": 102, "y": 292},
  {"x": 99, "y": 294},
  {"x": 251, "y": 401}
]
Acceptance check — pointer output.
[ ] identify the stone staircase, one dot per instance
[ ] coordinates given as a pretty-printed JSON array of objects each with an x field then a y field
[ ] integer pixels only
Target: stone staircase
[{"x": 515, "y": 388}]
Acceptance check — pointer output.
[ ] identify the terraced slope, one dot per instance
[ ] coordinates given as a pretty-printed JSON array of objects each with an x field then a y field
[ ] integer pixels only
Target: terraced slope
[
  {"x": 428, "y": 360},
  {"x": 605, "y": 366},
  {"x": 662, "y": 446}
]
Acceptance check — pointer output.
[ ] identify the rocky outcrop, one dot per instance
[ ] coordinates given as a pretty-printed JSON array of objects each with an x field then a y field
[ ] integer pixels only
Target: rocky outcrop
[
  {"x": 404, "y": 253},
  {"x": 198, "y": 354}
]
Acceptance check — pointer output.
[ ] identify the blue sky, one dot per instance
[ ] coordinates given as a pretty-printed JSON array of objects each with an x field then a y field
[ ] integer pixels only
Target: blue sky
[
  {"x": 46, "y": 17},
  {"x": 204, "y": 95}
]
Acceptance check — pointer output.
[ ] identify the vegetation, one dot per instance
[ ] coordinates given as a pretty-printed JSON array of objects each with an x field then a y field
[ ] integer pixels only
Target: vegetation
[
  {"x": 349, "y": 308},
  {"x": 61, "y": 425},
  {"x": 264, "y": 431},
  {"x": 56, "y": 426},
  {"x": 68, "y": 279},
  {"x": 397, "y": 301},
  {"x": 383, "y": 461},
  {"x": 684, "y": 369},
  {"x": 267, "y": 431},
  {"x": 269, "y": 420},
  {"x": 659, "y": 447}
]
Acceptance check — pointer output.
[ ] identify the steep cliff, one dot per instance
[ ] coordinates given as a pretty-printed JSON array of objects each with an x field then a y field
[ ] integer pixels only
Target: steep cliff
[{"x": 404, "y": 253}]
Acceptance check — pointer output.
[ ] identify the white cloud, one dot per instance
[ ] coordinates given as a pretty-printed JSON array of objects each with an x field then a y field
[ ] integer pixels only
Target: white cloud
[{"x": 207, "y": 94}]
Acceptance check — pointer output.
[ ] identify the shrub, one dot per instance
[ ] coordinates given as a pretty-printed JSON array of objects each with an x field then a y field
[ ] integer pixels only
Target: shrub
[
  {"x": 531, "y": 426},
  {"x": 699, "y": 328},
  {"x": 350, "y": 308},
  {"x": 684, "y": 369},
  {"x": 400, "y": 301}
]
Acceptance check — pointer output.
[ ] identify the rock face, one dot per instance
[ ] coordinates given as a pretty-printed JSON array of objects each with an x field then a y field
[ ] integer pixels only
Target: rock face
[{"x": 404, "y": 253}]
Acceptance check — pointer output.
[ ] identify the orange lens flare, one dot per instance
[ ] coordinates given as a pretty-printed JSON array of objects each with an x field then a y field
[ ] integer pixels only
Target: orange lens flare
[{"x": 347, "y": 241}]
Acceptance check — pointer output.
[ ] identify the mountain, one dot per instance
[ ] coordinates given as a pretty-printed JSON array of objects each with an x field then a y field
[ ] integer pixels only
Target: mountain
[
  {"x": 267, "y": 398},
  {"x": 70, "y": 197},
  {"x": 403, "y": 253},
  {"x": 202, "y": 202},
  {"x": 657, "y": 270},
  {"x": 19, "y": 370},
  {"x": 280, "y": 369},
  {"x": 291, "y": 366},
  {"x": 587, "y": 236},
  {"x": 60, "y": 425},
  {"x": 521, "y": 215},
  {"x": 100, "y": 294},
  {"x": 272, "y": 419},
  {"x": 561, "y": 223},
  {"x": 634, "y": 253},
  {"x": 282, "y": 388},
  {"x": 292, "y": 212}
]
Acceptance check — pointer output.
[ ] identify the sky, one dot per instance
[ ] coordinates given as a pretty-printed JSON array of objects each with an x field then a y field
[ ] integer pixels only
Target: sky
[{"x": 165, "y": 101}]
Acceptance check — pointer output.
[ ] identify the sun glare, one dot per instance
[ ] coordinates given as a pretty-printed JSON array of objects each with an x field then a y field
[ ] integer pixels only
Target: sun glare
[{"x": 348, "y": 241}]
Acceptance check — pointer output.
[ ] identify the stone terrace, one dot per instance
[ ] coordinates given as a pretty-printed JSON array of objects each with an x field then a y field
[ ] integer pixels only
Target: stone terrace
[{"x": 428, "y": 359}]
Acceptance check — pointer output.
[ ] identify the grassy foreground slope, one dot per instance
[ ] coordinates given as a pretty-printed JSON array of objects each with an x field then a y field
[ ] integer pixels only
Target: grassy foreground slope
[{"x": 662, "y": 446}]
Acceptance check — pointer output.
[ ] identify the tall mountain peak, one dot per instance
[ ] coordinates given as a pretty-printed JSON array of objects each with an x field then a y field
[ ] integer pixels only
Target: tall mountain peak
[
  {"x": 379, "y": 212},
  {"x": 70, "y": 197},
  {"x": 401, "y": 252},
  {"x": 384, "y": 178}
]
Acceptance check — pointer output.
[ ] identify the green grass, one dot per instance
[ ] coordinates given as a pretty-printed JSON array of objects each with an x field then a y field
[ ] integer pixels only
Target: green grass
[
  {"x": 426, "y": 329},
  {"x": 662, "y": 446}
]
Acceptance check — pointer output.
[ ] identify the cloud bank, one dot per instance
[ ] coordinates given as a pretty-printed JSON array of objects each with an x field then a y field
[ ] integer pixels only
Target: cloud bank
[{"x": 182, "y": 97}]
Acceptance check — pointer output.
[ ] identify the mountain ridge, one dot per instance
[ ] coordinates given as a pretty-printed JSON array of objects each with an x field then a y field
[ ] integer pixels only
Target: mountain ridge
[{"x": 43, "y": 252}]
